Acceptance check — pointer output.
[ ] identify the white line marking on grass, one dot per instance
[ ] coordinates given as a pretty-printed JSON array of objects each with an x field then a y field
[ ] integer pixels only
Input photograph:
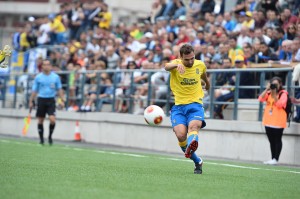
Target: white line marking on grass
[
  {"x": 128, "y": 154},
  {"x": 77, "y": 149},
  {"x": 5, "y": 141},
  {"x": 99, "y": 151},
  {"x": 234, "y": 166},
  {"x": 142, "y": 156}
]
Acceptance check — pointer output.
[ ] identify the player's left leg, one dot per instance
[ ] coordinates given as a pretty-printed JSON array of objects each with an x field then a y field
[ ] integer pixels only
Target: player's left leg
[
  {"x": 51, "y": 128},
  {"x": 51, "y": 113}
]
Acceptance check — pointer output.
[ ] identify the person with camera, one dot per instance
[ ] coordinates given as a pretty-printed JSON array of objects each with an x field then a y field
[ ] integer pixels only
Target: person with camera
[{"x": 274, "y": 117}]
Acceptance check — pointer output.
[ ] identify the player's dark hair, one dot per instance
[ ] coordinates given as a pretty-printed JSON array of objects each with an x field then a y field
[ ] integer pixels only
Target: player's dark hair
[{"x": 186, "y": 49}]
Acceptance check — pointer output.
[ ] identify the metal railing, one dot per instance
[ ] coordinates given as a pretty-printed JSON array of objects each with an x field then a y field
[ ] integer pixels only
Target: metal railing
[{"x": 11, "y": 92}]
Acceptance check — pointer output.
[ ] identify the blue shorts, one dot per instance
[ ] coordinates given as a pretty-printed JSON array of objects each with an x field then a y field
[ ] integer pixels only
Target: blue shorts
[{"x": 184, "y": 114}]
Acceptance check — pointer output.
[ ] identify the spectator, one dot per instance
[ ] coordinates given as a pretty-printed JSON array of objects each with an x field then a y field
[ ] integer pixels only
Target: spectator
[
  {"x": 251, "y": 5},
  {"x": 272, "y": 21},
  {"x": 44, "y": 31},
  {"x": 243, "y": 37},
  {"x": 240, "y": 20},
  {"x": 203, "y": 53},
  {"x": 274, "y": 118},
  {"x": 104, "y": 17},
  {"x": 175, "y": 9},
  {"x": 266, "y": 54},
  {"x": 249, "y": 22},
  {"x": 296, "y": 50},
  {"x": 297, "y": 56},
  {"x": 296, "y": 98},
  {"x": 289, "y": 19},
  {"x": 229, "y": 22},
  {"x": 96, "y": 9},
  {"x": 194, "y": 8},
  {"x": 259, "y": 18},
  {"x": 172, "y": 27},
  {"x": 291, "y": 32},
  {"x": 208, "y": 6},
  {"x": 258, "y": 34},
  {"x": 93, "y": 46},
  {"x": 268, "y": 5},
  {"x": 276, "y": 42},
  {"x": 112, "y": 58},
  {"x": 286, "y": 53},
  {"x": 24, "y": 43},
  {"x": 240, "y": 6},
  {"x": 235, "y": 50},
  {"x": 157, "y": 10},
  {"x": 75, "y": 17}
]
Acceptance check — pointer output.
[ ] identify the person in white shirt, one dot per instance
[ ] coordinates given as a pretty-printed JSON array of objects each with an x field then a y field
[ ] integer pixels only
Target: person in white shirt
[
  {"x": 45, "y": 28},
  {"x": 93, "y": 46}
]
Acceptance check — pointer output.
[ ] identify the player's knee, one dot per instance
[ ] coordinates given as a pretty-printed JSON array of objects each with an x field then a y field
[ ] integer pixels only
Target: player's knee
[
  {"x": 181, "y": 137},
  {"x": 195, "y": 127}
]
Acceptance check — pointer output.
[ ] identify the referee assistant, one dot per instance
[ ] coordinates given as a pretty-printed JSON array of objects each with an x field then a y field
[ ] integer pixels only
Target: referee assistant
[{"x": 45, "y": 86}]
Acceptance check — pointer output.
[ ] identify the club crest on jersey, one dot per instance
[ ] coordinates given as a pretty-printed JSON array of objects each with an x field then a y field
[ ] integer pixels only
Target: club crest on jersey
[{"x": 197, "y": 71}]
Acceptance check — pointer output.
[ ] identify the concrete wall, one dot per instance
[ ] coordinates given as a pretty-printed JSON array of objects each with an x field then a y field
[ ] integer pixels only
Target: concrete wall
[{"x": 240, "y": 140}]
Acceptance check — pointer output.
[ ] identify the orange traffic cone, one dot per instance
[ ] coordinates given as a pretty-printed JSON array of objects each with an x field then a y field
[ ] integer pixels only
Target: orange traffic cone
[{"x": 77, "y": 136}]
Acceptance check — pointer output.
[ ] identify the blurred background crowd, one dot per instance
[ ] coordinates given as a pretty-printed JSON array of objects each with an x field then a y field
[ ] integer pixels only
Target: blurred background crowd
[{"x": 253, "y": 31}]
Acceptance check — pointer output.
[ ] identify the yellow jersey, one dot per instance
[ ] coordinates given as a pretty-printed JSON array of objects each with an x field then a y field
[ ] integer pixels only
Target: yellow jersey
[
  {"x": 23, "y": 40},
  {"x": 187, "y": 87},
  {"x": 58, "y": 26},
  {"x": 233, "y": 53},
  {"x": 107, "y": 16}
]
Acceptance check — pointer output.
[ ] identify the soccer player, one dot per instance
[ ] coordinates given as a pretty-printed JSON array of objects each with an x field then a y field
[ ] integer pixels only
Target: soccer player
[
  {"x": 45, "y": 86},
  {"x": 187, "y": 115}
]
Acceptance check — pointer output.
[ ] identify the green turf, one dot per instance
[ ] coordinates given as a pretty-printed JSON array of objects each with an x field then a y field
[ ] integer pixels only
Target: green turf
[{"x": 31, "y": 171}]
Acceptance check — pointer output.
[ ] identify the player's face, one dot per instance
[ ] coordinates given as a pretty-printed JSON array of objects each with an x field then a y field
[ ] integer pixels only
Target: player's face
[{"x": 188, "y": 60}]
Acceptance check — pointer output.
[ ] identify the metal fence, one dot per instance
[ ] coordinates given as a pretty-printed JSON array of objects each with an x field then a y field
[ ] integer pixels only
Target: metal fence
[{"x": 16, "y": 89}]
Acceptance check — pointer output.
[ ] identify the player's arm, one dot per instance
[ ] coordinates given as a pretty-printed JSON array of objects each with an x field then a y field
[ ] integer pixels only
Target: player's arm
[
  {"x": 205, "y": 79},
  {"x": 60, "y": 91},
  {"x": 61, "y": 94},
  {"x": 172, "y": 65},
  {"x": 31, "y": 99},
  {"x": 34, "y": 91}
]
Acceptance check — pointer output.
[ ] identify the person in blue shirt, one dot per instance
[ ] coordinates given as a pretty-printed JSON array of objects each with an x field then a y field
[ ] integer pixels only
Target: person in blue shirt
[{"x": 45, "y": 87}]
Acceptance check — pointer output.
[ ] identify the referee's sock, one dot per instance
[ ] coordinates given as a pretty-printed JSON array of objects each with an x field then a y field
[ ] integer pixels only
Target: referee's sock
[
  {"x": 51, "y": 129},
  {"x": 41, "y": 133}
]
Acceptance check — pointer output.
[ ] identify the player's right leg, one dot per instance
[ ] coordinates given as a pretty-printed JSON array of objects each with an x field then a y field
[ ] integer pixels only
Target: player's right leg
[
  {"x": 40, "y": 114},
  {"x": 41, "y": 129}
]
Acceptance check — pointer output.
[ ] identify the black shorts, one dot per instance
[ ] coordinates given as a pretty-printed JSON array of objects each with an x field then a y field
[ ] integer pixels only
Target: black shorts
[{"x": 45, "y": 105}]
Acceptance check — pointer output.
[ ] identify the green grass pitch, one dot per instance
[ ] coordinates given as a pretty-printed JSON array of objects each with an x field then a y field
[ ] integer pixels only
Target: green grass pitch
[{"x": 31, "y": 171}]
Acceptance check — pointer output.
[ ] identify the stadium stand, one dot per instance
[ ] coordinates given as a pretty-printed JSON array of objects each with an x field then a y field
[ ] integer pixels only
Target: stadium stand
[{"x": 82, "y": 34}]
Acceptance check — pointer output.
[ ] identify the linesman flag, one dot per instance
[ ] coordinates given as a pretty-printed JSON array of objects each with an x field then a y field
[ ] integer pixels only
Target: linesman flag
[{"x": 27, "y": 121}]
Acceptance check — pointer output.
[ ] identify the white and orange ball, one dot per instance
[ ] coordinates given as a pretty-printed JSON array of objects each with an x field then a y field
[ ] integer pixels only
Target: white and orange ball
[{"x": 154, "y": 115}]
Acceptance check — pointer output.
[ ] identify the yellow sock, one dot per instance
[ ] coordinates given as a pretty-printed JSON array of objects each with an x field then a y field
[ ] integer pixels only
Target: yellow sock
[{"x": 183, "y": 145}]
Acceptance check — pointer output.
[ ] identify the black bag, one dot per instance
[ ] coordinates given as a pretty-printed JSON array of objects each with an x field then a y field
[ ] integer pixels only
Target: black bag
[{"x": 288, "y": 108}]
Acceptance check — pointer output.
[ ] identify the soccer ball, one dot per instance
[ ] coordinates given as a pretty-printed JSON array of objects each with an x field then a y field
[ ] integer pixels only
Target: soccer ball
[{"x": 154, "y": 115}]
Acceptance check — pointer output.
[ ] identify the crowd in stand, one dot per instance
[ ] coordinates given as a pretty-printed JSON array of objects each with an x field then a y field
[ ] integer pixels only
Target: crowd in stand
[{"x": 254, "y": 31}]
